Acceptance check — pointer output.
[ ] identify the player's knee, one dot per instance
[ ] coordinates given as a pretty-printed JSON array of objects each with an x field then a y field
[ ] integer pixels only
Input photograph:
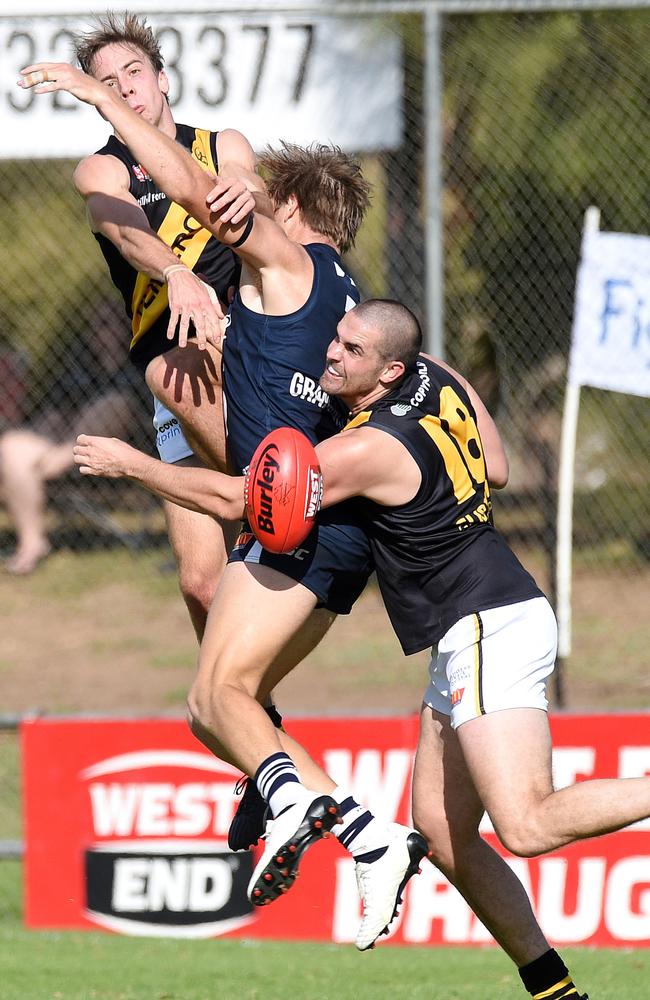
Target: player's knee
[
  {"x": 154, "y": 376},
  {"x": 445, "y": 843},
  {"x": 522, "y": 835},
  {"x": 193, "y": 721},
  {"x": 197, "y": 587},
  {"x": 200, "y": 716}
]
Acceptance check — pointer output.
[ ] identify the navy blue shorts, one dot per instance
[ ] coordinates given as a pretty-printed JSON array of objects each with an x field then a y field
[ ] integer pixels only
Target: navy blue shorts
[{"x": 334, "y": 561}]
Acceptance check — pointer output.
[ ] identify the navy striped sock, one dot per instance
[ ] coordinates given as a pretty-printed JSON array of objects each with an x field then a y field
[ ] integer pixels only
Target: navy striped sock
[
  {"x": 359, "y": 833},
  {"x": 278, "y": 781}
]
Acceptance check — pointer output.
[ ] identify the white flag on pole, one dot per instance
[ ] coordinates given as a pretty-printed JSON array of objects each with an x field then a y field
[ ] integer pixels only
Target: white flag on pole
[{"x": 610, "y": 346}]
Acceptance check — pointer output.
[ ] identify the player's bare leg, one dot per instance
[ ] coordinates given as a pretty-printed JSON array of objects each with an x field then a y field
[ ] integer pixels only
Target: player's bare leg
[
  {"x": 200, "y": 546},
  {"x": 448, "y": 810},
  {"x": 188, "y": 382},
  {"x": 255, "y": 613},
  {"x": 298, "y": 647},
  {"x": 528, "y": 815}
]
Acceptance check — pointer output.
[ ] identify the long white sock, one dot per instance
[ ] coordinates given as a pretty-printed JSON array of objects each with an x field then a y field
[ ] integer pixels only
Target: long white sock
[
  {"x": 365, "y": 837},
  {"x": 278, "y": 782}
]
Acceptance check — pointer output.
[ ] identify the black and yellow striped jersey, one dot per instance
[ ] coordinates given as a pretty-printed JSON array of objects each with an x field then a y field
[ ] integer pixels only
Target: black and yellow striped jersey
[
  {"x": 145, "y": 299},
  {"x": 439, "y": 556}
]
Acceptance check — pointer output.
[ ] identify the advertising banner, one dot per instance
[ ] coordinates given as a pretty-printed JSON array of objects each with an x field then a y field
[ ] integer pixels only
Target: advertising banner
[
  {"x": 126, "y": 825},
  {"x": 610, "y": 346}
]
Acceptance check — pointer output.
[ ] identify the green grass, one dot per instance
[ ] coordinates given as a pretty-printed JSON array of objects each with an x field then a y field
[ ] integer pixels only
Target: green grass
[
  {"x": 10, "y": 824},
  {"x": 91, "y": 966}
]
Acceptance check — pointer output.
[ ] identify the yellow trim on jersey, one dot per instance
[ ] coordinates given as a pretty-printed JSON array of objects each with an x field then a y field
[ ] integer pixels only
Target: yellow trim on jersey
[
  {"x": 361, "y": 418},
  {"x": 202, "y": 151},
  {"x": 477, "y": 666},
  {"x": 186, "y": 237}
]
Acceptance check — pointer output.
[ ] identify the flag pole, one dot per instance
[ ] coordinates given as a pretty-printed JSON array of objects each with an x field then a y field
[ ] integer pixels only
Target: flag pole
[{"x": 566, "y": 480}]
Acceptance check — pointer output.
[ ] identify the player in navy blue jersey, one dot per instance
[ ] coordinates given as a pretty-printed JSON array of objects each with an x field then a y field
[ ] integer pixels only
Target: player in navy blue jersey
[{"x": 270, "y": 610}]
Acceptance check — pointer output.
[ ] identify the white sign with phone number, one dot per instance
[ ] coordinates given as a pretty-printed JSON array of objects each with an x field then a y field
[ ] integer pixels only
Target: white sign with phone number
[{"x": 271, "y": 75}]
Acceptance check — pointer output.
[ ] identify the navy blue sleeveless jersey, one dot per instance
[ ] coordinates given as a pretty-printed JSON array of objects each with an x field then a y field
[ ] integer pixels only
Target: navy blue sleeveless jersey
[
  {"x": 272, "y": 364},
  {"x": 271, "y": 368},
  {"x": 145, "y": 298},
  {"x": 438, "y": 557}
]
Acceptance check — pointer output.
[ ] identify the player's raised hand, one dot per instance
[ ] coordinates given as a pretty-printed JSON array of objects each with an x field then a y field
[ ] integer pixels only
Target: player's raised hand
[
  {"x": 230, "y": 200},
  {"x": 47, "y": 77},
  {"x": 103, "y": 456},
  {"x": 191, "y": 300}
]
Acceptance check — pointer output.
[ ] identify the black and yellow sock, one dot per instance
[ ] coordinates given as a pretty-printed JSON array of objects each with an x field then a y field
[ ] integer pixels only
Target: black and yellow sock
[{"x": 547, "y": 978}]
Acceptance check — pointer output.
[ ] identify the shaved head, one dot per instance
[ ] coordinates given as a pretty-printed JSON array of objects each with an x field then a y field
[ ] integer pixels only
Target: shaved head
[{"x": 400, "y": 334}]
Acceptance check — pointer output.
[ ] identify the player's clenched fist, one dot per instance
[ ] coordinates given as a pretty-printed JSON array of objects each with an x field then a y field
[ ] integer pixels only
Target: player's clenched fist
[
  {"x": 47, "y": 77},
  {"x": 103, "y": 456}
]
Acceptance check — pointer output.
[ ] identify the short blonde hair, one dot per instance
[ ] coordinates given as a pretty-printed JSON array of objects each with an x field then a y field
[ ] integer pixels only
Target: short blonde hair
[{"x": 327, "y": 183}]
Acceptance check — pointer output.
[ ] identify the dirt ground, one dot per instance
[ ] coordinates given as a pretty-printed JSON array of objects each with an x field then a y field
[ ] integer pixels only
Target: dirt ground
[{"x": 108, "y": 633}]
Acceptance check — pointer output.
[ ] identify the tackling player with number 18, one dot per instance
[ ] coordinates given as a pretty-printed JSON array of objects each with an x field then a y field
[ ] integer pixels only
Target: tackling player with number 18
[{"x": 412, "y": 450}]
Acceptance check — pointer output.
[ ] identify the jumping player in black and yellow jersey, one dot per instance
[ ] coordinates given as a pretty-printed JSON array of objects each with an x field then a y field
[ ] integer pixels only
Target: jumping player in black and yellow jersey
[
  {"x": 155, "y": 252},
  {"x": 146, "y": 298}
]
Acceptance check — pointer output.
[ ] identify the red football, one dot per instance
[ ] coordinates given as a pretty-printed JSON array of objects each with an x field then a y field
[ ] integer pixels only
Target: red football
[{"x": 283, "y": 489}]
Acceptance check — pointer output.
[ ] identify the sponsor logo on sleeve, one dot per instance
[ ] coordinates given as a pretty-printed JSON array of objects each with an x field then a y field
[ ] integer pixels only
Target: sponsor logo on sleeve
[{"x": 140, "y": 173}]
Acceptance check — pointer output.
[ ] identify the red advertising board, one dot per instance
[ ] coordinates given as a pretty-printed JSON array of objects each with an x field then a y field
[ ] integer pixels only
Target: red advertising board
[{"x": 126, "y": 825}]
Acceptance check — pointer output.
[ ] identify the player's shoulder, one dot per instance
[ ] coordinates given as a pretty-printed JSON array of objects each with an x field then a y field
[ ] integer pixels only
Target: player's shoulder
[
  {"x": 99, "y": 172},
  {"x": 234, "y": 146},
  {"x": 444, "y": 371}
]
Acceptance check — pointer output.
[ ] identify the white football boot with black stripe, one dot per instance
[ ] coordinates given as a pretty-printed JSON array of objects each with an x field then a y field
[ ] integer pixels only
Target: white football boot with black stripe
[{"x": 382, "y": 882}]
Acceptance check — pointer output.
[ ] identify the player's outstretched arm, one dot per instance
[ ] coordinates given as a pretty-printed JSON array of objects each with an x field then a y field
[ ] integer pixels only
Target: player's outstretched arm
[
  {"x": 258, "y": 239},
  {"x": 171, "y": 166},
  {"x": 201, "y": 490}
]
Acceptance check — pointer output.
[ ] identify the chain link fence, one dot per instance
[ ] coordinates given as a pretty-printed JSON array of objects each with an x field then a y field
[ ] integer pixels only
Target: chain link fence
[{"x": 542, "y": 115}]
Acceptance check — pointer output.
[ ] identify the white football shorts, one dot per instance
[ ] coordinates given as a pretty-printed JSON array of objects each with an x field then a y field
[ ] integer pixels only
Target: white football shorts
[
  {"x": 494, "y": 659},
  {"x": 170, "y": 441}
]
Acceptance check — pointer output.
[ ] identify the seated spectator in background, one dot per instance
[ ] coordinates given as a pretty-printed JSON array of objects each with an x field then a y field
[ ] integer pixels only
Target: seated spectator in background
[{"x": 92, "y": 391}]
